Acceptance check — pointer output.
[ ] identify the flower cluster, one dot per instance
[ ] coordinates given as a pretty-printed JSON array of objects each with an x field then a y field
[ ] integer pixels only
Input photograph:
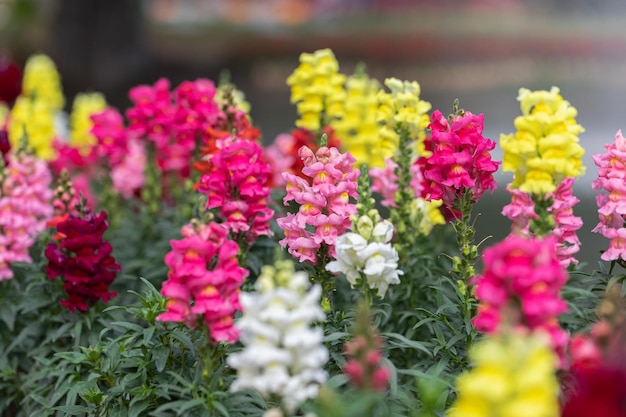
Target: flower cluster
[
  {"x": 124, "y": 154},
  {"x": 236, "y": 184},
  {"x": 513, "y": 375},
  {"x": 358, "y": 126},
  {"x": 460, "y": 159},
  {"x": 83, "y": 259},
  {"x": 173, "y": 121},
  {"x": 520, "y": 287},
  {"x": 521, "y": 211},
  {"x": 364, "y": 359},
  {"x": 24, "y": 207},
  {"x": 193, "y": 290},
  {"x": 612, "y": 206},
  {"x": 324, "y": 203},
  {"x": 283, "y": 354},
  {"x": 43, "y": 82},
  {"x": 599, "y": 369},
  {"x": 317, "y": 88},
  {"x": 84, "y": 106},
  {"x": 283, "y": 155},
  {"x": 35, "y": 110},
  {"x": 402, "y": 106},
  {"x": 367, "y": 255},
  {"x": 545, "y": 149}
]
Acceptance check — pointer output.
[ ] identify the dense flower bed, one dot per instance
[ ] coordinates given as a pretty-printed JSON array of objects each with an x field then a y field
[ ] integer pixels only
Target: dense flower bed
[{"x": 161, "y": 261}]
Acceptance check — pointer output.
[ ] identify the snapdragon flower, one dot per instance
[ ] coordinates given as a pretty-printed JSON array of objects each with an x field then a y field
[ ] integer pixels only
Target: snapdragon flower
[
  {"x": 317, "y": 88},
  {"x": 204, "y": 280},
  {"x": 401, "y": 106},
  {"x": 545, "y": 149},
  {"x": 324, "y": 200},
  {"x": 25, "y": 207},
  {"x": 358, "y": 126},
  {"x": 521, "y": 211},
  {"x": 513, "y": 376},
  {"x": 612, "y": 204},
  {"x": 36, "y": 109},
  {"x": 520, "y": 287},
  {"x": 283, "y": 354},
  {"x": 369, "y": 255}
]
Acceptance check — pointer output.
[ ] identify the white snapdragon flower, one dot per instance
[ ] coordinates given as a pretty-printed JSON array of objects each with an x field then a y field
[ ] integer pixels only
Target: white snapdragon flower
[
  {"x": 348, "y": 248},
  {"x": 381, "y": 267},
  {"x": 377, "y": 260},
  {"x": 283, "y": 354}
]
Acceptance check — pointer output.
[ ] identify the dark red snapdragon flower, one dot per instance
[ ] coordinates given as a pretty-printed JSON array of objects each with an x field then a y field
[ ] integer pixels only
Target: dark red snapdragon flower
[
  {"x": 5, "y": 145},
  {"x": 10, "y": 80},
  {"x": 83, "y": 259}
]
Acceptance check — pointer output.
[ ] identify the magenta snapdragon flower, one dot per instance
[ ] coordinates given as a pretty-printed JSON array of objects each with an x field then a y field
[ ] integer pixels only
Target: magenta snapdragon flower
[
  {"x": 520, "y": 287},
  {"x": 204, "y": 281},
  {"x": 25, "y": 206},
  {"x": 237, "y": 185},
  {"x": 173, "y": 121},
  {"x": 324, "y": 202},
  {"x": 460, "y": 158}
]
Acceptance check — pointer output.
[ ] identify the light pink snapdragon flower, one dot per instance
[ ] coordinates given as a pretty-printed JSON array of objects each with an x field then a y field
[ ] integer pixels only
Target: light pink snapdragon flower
[
  {"x": 324, "y": 202},
  {"x": 521, "y": 211},
  {"x": 25, "y": 206},
  {"x": 612, "y": 206}
]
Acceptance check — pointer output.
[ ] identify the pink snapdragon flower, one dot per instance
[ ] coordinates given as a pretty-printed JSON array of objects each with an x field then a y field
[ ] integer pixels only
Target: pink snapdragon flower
[
  {"x": 324, "y": 202},
  {"x": 129, "y": 175},
  {"x": 520, "y": 287},
  {"x": 236, "y": 184},
  {"x": 173, "y": 121},
  {"x": 25, "y": 206},
  {"x": 194, "y": 291},
  {"x": 385, "y": 182},
  {"x": 111, "y": 136},
  {"x": 460, "y": 158},
  {"x": 521, "y": 211},
  {"x": 612, "y": 206}
]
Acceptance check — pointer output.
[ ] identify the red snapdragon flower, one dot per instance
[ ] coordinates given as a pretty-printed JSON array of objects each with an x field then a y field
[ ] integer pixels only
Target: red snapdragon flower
[{"x": 83, "y": 259}]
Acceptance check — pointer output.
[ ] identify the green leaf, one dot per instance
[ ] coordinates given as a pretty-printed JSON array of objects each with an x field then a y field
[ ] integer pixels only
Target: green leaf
[
  {"x": 73, "y": 410},
  {"x": 395, "y": 339},
  {"x": 160, "y": 354},
  {"x": 8, "y": 315},
  {"x": 191, "y": 404},
  {"x": 137, "y": 406}
]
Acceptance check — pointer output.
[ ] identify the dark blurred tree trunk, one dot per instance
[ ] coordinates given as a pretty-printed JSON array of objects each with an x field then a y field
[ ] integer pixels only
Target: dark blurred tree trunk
[{"x": 99, "y": 45}]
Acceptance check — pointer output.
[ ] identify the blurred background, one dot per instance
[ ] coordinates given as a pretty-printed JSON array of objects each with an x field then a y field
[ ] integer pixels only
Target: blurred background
[{"x": 479, "y": 51}]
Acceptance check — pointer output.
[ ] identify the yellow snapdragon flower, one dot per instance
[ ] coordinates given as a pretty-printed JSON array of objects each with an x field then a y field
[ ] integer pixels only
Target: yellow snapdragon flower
[
  {"x": 513, "y": 376},
  {"x": 85, "y": 105},
  {"x": 545, "y": 148},
  {"x": 33, "y": 119},
  {"x": 427, "y": 214},
  {"x": 317, "y": 88},
  {"x": 33, "y": 114},
  {"x": 403, "y": 107},
  {"x": 358, "y": 127},
  {"x": 42, "y": 82}
]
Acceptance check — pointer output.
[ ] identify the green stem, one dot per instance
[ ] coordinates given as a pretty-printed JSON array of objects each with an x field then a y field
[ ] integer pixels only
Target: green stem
[
  {"x": 464, "y": 265},
  {"x": 543, "y": 225},
  {"x": 401, "y": 214}
]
